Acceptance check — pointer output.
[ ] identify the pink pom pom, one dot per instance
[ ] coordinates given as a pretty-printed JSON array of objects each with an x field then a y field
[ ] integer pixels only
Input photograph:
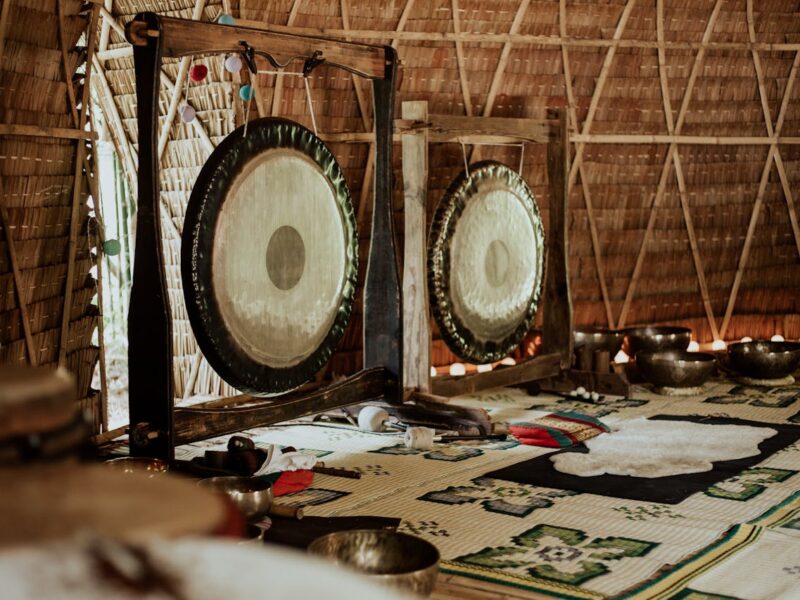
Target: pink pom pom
[{"x": 198, "y": 72}]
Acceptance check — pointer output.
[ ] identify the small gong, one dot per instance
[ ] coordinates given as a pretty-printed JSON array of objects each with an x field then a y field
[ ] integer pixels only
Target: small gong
[
  {"x": 485, "y": 262},
  {"x": 269, "y": 256}
]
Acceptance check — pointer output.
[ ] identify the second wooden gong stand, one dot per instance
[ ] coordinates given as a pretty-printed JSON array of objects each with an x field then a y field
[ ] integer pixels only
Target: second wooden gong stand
[{"x": 156, "y": 426}]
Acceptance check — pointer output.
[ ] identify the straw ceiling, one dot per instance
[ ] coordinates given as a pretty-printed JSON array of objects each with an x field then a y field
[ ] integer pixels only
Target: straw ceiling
[
  {"x": 685, "y": 117},
  {"x": 46, "y": 231}
]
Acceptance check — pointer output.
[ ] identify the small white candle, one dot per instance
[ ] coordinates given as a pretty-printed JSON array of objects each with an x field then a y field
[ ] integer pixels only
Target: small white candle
[
  {"x": 621, "y": 357},
  {"x": 484, "y": 368},
  {"x": 718, "y": 345},
  {"x": 776, "y": 338},
  {"x": 433, "y": 371},
  {"x": 508, "y": 361},
  {"x": 746, "y": 338},
  {"x": 693, "y": 346},
  {"x": 457, "y": 369}
]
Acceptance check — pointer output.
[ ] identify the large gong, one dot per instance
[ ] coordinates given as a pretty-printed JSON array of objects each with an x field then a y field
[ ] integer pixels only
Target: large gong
[
  {"x": 269, "y": 256},
  {"x": 485, "y": 262}
]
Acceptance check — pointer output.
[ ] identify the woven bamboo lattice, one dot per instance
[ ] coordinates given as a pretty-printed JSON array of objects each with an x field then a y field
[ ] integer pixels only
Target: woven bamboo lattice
[
  {"x": 685, "y": 118},
  {"x": 45, "y": 248}
]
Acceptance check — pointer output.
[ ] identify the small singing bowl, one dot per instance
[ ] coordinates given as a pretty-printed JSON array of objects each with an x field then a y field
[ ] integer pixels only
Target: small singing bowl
[
  {"x": 657, "y": 339},
  {"x": 598, "y": 338},
  {"x": 764, "y": 360},
  {"x": 391, "y": 558},
  {"x": 676, "y": 368},
  {"x": 252, "y": 496},
  {"x": 138, "y": 464}
]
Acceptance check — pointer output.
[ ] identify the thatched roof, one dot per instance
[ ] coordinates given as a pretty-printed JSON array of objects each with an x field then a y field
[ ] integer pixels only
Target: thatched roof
[
  {"x": 37, "y": 199},
  {"x": 719, "y": 251}
]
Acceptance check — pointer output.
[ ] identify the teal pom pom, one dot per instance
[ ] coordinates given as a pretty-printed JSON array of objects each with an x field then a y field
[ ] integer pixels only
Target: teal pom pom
[
  {"x": 226, "y": 20},
  {"x": 246, "y": 92},
  {"x": 111, "y": 247}
]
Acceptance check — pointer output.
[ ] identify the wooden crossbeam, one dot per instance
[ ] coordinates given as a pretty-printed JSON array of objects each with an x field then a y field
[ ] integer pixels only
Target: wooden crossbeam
[
  {"x": 668, "y": 162},
  {"x": 518, "y": 39},
  {"x": 587, "y": 197},
  {"x": 772, "y": 155},
  {"x": 598, "y": 90}
]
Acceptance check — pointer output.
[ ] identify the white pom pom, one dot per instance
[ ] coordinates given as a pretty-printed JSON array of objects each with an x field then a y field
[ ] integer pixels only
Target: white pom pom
[
  {"x": 233, "y": 64},
  {"x": 595, "y": 396},
  {"x": 371, "y": 418},
  {"x": 187, "y": 113},
  {"x": 581, "y": 390},
  {"x": 419, "y": 438}
]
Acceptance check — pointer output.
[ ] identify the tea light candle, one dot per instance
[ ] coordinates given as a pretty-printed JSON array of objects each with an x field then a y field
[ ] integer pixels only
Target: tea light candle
[
  {"x": 693, "y": 346},
  {"x": 777, "y": 338},
  {"x": 718, "y": 345},
  {"x": 458, "y": 369}
]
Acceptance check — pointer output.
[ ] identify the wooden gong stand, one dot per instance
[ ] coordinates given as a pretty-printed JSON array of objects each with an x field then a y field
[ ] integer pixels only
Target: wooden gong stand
[
  {"x": 419, "y": 129},
  {"x": 156, "y": 427}
]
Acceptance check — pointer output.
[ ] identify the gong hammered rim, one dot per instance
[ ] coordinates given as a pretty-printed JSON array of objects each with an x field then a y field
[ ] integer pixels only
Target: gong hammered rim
[
  {"x": 461, "y": 341},
  {"x": 229, "y": 360}
]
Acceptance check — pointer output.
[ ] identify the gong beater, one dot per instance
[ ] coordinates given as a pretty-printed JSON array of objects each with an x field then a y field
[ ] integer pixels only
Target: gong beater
[
  {"x": 485, "y": 262},
  {"x": 269, "y": 256}
]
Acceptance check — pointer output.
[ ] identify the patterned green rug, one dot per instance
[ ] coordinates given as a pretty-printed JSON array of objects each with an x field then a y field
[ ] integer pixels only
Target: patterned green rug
[{"x": 569, "y": 544}]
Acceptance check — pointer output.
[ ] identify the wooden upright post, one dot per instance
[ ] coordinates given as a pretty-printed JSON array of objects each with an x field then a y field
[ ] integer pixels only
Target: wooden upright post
[
  {"x": 416, "y": 309},
  {"x": 557, "y": 327}
]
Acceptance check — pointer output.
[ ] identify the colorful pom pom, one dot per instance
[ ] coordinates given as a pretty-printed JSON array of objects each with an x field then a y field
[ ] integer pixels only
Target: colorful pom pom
[
  {"x": 111, "y": 247},
  {"x": 246, "y": 92},
  {"x": 233, "y": 64},
  {"x": 226, "y": 20},
  {"x": 187, "y": 113},
  {"x": 198, "y": 72}
]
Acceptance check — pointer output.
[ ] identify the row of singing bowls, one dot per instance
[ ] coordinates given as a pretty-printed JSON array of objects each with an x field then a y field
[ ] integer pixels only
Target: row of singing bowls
[
  {"x": 639, "y": 339},
  {"x": 764, "y": 360},
  {"x": 390, "y": 558},
  {"x": 676, "y": 368}
]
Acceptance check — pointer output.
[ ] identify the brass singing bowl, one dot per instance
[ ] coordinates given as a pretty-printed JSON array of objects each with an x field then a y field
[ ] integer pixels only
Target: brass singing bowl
[
  {"x": 252, "y": 496},
  {"x": 676, "y": 368},
  {"x": 764, "y": 360},
  {"x": 138, "y": 464},
  {"x": 598, "y": 338},
  {"x": 657, "y": 339},
  {"x": 391, "y": 558}
]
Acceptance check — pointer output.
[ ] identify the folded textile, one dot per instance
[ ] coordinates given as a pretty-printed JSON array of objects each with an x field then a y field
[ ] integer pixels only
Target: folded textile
[{"x": 558, "y": 430}]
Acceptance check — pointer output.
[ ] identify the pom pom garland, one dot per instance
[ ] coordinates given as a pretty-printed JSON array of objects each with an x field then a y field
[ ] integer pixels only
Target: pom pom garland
[
  {"x": 233, "y": 64},
  {"x": 246, "y": 92},
  {"x": 188, "y": 113},
  {"x": 111, "y": 247},
  {"x": 198, "y": 72},
  {"x": 225, "y": 19}
]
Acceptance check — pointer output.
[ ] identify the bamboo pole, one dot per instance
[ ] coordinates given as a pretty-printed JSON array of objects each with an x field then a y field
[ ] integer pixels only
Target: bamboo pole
[
  {"x": 499, "y": 71},
  {"x": 462, "y": 73},
  {"x": 668, "y": 161},
  {"x": 77, "y": 188},
  {"x": 587, "y": 198},
  {"x": 183, "y": 72}
]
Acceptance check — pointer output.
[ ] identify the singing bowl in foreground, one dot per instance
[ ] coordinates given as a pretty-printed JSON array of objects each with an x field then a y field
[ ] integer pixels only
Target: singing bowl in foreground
[
  {"x": 676, "y": 368},
  {"x": 764, "y": 360},
  {"x": 598, "y": 338},
  {"x": 391, "y": 558},
  {"x": 253, "y": 497},
  {"x": 657, "y": 339}
]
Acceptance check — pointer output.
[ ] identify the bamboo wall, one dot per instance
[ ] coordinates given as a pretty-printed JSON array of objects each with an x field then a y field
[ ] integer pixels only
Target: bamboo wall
[
  {"x": 45, "y": 241},
  {"x": 672, "y": 220}
]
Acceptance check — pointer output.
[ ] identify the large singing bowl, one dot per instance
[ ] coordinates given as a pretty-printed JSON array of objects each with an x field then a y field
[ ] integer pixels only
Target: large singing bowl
[
  {"x": 764, "y": 360},
  {"x": 676, "y": 368},
  {"x": 657, "y": 339},
  {"x": 598, "y": 338},
  {"x": 391, "y": 558}
]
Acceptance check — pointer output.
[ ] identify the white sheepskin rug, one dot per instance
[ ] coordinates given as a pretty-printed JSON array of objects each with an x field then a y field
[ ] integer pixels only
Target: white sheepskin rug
[{"x": 652, "y": 448}]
